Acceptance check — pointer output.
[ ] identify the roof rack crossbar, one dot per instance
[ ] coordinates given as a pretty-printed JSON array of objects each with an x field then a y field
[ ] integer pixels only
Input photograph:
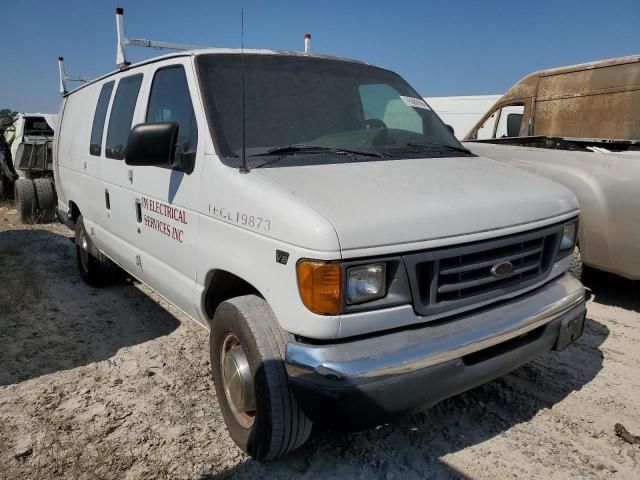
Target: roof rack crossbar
[
  {"x": 64, "y": 78},
  {"x": 123, "y": 41}
]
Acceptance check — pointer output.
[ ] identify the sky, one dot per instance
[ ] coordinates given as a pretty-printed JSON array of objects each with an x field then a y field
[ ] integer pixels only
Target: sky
[{"x": 441, "y": 48}]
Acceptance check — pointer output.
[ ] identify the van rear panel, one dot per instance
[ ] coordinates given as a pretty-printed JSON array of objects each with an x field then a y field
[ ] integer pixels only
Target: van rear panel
[{"x": 573, "y": 104}]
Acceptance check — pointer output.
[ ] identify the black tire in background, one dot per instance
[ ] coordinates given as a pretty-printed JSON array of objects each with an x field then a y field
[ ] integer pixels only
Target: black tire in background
[
  {"x": 46, "y": 196},
  {"x": 24, "y": 193},
  {"x": 7, "y": 175},
  {"x": 279, "y": 425},
  {"x": 576, "y": 268},
  {"x": 6, "y": 187}
]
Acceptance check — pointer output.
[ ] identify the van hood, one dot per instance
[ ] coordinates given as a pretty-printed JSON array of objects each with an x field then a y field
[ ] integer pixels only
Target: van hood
[{"x": 384, "y": 203}]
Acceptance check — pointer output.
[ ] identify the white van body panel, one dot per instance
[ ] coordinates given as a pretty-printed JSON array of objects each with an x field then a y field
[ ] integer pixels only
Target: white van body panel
[
  {"x": 79, "y": 174},
  {"x": 606, "y": 185},
  {"x": 280, "y": 221},
  {"x": 235, "y": 222},
  {"x": 404, "y": 200}
]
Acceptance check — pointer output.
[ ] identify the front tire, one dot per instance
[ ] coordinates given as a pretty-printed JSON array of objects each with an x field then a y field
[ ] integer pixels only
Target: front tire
[{"x": 247, "y": 348}]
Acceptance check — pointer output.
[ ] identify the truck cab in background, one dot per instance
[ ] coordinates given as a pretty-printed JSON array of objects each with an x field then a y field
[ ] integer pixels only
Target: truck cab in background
[{"x": 26, "y": 165}]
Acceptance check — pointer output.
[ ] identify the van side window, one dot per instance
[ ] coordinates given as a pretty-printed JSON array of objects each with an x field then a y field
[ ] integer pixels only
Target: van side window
[
  {"x": 169, "y": 101},
  {"x": 486, "y": 130},
  {"x": 95, "y": 146},
  {"x": 121, "y": 116}
]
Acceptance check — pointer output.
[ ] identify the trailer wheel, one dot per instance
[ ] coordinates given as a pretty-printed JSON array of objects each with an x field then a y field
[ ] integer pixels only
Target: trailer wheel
[
  {"x": 576, "y": 267},
  {"x": 247, "y": 349},
  {"x": 95, "y": 269},
  {"x": 46, "y": 195},
  {"x": 24, "y": 193}
]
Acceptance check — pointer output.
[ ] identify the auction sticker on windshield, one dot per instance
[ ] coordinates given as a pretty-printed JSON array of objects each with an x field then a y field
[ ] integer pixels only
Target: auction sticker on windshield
[{"x": 415, "y": 102}]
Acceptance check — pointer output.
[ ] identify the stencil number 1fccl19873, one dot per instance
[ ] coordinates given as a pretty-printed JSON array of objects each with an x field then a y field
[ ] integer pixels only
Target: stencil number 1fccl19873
[{"x": 241, "y": 218}]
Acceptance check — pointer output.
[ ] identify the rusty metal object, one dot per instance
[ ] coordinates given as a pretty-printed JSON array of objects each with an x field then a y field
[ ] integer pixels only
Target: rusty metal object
[
  {"x": 591, "y": 100},
  {"x": 624, "y": 434}
]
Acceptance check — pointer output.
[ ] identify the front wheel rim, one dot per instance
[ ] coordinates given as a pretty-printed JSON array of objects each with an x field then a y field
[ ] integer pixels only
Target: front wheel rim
[
  {"x": 237, "y": 381},
  {"x": 83, "y": 247}
]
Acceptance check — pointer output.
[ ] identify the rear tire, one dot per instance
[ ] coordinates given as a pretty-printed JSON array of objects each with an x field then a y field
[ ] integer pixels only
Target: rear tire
[
  {"x": 95, "y": 269},
  {"x": 576, "y": 268},
  {"x": 24, "y": 193},
  {"x": 271, "y": 424},
  {"x": 46, "y": 195}
]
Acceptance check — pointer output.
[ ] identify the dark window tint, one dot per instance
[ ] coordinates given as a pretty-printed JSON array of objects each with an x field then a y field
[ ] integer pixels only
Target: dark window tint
[
  {"x": 170, "y": 101},
  {"x": 514, "y": 121},
  {"x": 95, "y": 148},
  {"x": 315, "y": 102},
  {"x": 37, "y": 126},
  {"x": 121, "y": 116}
]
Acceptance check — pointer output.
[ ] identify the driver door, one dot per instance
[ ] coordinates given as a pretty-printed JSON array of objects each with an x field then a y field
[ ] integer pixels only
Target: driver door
[{"x": 164, "y": 200}]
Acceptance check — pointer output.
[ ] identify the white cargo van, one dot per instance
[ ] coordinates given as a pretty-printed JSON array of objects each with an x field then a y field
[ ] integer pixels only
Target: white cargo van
[
  {"x": 351, "y": 259},
  {"x": 462, "y": 112}
]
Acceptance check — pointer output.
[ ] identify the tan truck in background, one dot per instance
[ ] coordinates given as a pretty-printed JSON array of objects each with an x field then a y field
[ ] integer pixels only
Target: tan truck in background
[{"x": 580, "y": 126}]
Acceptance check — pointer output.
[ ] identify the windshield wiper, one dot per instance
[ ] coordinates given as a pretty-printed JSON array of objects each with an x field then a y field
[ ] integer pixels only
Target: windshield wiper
[
  {"x": 424, "y": 143},
  {"x": 292, "y": 149}
]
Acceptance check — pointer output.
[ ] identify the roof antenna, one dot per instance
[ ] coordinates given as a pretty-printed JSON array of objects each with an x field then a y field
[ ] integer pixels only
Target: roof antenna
[{"x": 243, "y": 166}]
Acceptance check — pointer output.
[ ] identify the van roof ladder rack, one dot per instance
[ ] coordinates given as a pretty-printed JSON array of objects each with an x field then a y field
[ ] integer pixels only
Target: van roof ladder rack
[
  {"x": 64, "y": 78},
  {"x": 123, "y": 41}
]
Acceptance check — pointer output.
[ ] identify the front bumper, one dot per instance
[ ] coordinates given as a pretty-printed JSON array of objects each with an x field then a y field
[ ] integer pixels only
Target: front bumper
[{"x": 364, "y": 382}]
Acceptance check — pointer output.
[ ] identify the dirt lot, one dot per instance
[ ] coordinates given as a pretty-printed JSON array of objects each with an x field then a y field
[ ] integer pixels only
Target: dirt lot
[{"x": 114, "y": 383}]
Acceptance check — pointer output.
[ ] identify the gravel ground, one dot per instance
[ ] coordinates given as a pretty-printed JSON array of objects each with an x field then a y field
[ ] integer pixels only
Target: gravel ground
[{"x": 115, "y": 383}]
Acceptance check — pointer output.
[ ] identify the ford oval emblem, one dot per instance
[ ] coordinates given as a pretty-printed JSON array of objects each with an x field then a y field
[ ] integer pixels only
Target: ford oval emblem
[{"x": 502, "y": 269}]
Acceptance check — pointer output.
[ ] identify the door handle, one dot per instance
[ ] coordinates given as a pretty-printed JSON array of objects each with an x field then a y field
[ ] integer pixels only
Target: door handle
[
  {"x": 107, "y": 200},
  {"x": 138, "y": 211}
]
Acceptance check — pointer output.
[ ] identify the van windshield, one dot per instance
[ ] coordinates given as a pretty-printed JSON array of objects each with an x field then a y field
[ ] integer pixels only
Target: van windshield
[{"x": 308, "y": 110}]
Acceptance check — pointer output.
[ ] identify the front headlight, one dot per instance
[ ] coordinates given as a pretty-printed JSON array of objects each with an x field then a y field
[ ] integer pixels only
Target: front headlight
[
  {"x": 366, "y": 282},
  {"x": 568, "y": 241}
]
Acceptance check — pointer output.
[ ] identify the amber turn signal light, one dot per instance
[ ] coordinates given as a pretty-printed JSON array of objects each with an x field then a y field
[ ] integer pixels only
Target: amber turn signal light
[{"x": 320, "y": 285}]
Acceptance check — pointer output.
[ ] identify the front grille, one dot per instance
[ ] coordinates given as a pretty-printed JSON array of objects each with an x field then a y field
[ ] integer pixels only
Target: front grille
[{"x": 461, "y": 277}]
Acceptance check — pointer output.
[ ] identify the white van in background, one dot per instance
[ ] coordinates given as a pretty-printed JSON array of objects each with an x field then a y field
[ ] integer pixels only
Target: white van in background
[
  {"x": 462, "y": 112},
  {"x": 350, "y": 266}
]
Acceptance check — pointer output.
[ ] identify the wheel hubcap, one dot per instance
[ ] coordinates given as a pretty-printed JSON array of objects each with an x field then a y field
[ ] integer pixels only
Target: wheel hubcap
[
  {"x": 238, "y": 381},
  {"x": 84, "y": 251}
]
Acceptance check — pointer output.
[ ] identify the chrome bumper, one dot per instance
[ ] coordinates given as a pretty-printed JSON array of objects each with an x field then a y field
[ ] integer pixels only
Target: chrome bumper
[{"x": 465, "y": 352}]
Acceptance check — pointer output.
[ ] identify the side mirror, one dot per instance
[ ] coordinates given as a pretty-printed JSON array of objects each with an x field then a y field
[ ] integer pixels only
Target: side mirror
[
  {"x": 152, "y": 144},
  {"x": 450, "y": 128}
]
